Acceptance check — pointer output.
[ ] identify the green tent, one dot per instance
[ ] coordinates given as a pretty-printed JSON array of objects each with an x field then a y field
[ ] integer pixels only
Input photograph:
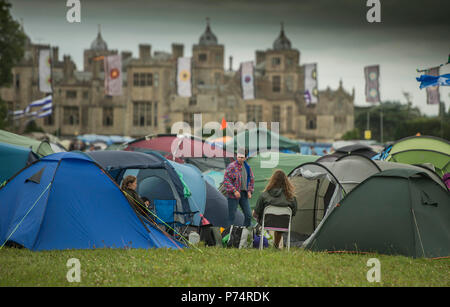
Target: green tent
[
  {"x": 41, "y": 148},
  {"x": 422, "y": 150},
  {"x": 250, "y": 140},
  {"x": 397, "y": 211},
  {"x": 14, "y": 158},
  {"x": 264, "y": 164},
  {"x": 319, "y": 186}
]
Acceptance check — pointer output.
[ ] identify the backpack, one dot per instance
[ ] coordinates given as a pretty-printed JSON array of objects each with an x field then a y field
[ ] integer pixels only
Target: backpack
[
  {"x": 211, "y": 235},
  {"x": 237, "y": 237}
]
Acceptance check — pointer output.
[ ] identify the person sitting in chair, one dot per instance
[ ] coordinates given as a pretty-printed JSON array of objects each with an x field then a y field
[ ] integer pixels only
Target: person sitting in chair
[
  {"x": 278, "y": 192},
  {"x": 129, "y": 186}
]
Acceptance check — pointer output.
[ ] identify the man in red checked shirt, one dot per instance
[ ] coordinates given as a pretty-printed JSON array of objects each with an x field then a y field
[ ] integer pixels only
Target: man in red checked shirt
[{"x": 239, "y": 184}]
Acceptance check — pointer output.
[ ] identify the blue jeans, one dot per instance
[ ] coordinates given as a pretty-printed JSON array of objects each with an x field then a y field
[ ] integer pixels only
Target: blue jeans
[{"x": 245, "y": 206}]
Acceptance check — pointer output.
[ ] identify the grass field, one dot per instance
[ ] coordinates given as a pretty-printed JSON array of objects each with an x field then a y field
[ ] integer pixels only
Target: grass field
[{"x": 215, "y": 267}]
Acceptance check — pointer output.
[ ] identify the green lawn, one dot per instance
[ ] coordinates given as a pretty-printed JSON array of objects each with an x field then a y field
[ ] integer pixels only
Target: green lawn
[{"x": 215, "y": 267}]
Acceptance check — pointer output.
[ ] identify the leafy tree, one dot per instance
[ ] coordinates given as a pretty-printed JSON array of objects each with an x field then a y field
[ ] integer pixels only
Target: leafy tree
[
  {"x": 354, "y": 134},
  {"x": 12, "y": 41}
]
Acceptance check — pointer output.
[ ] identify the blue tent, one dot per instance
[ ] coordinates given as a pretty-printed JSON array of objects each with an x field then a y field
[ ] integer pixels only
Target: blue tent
[
  {"x": 66, "y": 201},
  {"x": 178, "y": 191},
  {"x": 13, "y": 158}
]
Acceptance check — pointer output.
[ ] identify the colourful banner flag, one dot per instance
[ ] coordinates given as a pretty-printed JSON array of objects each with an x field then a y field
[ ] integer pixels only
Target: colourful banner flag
[
  {"x": 184, "y": 77},
  {"x": 113, "y": 75},
  {"x": 311, "y": 94},
  {"x": 372, "y": 74},
  {"x": 45, "y": 72},
  {"x": 248, "y": 91}
]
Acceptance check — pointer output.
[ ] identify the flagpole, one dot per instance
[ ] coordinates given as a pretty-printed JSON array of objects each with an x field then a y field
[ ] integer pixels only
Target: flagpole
[{"x": 381, "y": 121}]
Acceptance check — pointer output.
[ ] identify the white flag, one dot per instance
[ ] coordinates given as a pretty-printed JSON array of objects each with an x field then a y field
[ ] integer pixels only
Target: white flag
[
  {"x": 113, "y": 75},
  {"x": 45, "y": 73},
  {"x": 247, "y": 80},
  {"x": 184, "y": 77},
  {"x": 311, "y": 92}
]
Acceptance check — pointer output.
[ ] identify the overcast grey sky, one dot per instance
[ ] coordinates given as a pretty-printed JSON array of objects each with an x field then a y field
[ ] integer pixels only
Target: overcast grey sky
[{"x": 332, "y": 33}]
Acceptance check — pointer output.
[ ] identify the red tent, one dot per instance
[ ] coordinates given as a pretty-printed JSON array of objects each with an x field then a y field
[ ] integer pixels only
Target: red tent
[{"x": 182, "y": 149}]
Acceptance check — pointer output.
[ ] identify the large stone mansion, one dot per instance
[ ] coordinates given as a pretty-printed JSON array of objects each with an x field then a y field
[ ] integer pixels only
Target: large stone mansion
[{"x": 150, "y": 104}]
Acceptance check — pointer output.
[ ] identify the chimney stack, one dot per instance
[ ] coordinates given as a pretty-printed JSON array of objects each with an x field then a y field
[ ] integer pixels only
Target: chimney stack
[
  {"x": 231, "y": 63},
  {"x": 126, "y": 55},
  {"x": 145, "y": 51},
  {"x": 55, "y": 55},
  {"x": 177, "y": 51}
]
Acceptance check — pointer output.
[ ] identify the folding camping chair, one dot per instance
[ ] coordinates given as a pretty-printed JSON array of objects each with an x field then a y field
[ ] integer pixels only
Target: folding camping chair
[{"x": 276, "y": 221}]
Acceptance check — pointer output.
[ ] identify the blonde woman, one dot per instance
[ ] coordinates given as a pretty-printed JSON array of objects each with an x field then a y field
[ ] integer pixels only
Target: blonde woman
[{"x": 278, "y": 192}]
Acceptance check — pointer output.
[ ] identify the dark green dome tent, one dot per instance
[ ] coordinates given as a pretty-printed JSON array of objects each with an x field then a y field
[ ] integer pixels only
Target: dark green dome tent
[
  {"x": 319, "y": 186},
  {"x": 397, "y": 211}
]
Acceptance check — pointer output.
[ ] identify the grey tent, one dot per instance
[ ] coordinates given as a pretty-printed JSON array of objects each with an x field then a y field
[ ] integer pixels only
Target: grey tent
[
  {"x": 397, "y": 211},
  {"x": 321, "y": 185}
]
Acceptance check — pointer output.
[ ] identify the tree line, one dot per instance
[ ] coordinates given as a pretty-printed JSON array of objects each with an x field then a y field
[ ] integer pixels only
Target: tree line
[{"x": 399, "y": 121}]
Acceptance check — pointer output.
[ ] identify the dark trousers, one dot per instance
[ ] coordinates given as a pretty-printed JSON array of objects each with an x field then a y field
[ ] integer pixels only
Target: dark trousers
[{"x": 245, "y": 206}]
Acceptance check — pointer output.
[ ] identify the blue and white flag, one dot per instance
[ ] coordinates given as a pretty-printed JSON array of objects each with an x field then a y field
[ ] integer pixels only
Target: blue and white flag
[
  {"x": 427, "y": 80},
  {"x": 45, "y": 104}
]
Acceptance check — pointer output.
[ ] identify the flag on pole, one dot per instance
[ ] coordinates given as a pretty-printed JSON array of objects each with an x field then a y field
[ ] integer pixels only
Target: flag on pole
[
  {"x": 247, "y": 81},
  {"x": 440, "y": 65},
  {"x": 224, "y": 124},
  {"x": 430, "y": 81},
  {"x": 113, "y": 75},
  {"x": 311, "y": 94},
  {"x": 184, "y": 77},
  {"x": 434, "y": 80},
  {"x": 45, "y": 107},
  {"x": 45, "y": 72},
  {"x": 372, "y": 74}
]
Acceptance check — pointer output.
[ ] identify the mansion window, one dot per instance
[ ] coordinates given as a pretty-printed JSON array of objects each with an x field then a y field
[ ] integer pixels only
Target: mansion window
[
  {"x": 142, "y": 79},
  {"x": 50, "y": 120},
  {"x": 289, "y": 84},
  {"x": 276, "y": 62},
  {"x": 289, "y": 62},
  {"x": 71, "y": 116},
  {"x": 340, "y": 119},
  {"x": 289, "y": 119},
  {"x": 17, "y": 81},
  {"x": 218, "y": 58},
  {"x": 311, "y": 123},
  {"x": 145, "y": 113},
  {"x": 108, "y": 116},
  {"x": 276, "y": 84},
  {"x": 202, "y": 57},
  {"x": 188, "y": 117},
  {"x": 276, "y": 114},
  {"x": 217, "y": 78},
  {"x": 254, "y": 113},
  {"x": 155, "y": 79},
  {"x": 71, "y": 94}
]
